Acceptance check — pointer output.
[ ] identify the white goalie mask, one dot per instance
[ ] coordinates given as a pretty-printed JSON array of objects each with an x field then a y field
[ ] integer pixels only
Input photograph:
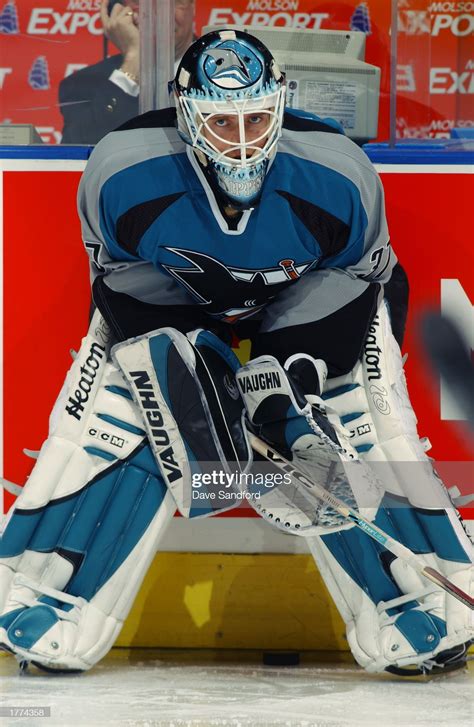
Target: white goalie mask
[{"x": 230, "y": 104}]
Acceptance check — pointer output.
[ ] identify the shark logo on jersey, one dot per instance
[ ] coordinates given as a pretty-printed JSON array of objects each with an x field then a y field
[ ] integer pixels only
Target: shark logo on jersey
[
  {"x": 232, "y": 65},
  {"x": 232, "y": 293}
]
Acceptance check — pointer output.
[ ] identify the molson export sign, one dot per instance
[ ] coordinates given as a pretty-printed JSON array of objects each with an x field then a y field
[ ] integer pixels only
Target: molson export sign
[
  {"x": 435, "y": 67},
  {"x": 42, "y": 42},
  {"x": 288, "y": 13},
  {"x": 371, "y": 18}
]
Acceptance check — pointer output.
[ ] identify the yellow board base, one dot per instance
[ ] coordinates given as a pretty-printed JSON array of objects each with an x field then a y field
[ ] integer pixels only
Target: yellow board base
[{"x": 221, "y": 601}]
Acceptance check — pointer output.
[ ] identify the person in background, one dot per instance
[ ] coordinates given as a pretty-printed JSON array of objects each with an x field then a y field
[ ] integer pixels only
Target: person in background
[{"x": 101, "y": 97}]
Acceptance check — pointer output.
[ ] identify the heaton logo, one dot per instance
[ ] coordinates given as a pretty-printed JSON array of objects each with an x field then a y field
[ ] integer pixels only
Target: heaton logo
[
  {"x": 372, "y": 352},
  {"x": 46, "y": 21},
  {"x": 155, "y": 423},
  {"x": 88, "y": 371}
]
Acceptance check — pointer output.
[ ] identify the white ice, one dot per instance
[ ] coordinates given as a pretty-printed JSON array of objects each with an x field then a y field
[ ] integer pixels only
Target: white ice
[{"x": 139, "y": 689}]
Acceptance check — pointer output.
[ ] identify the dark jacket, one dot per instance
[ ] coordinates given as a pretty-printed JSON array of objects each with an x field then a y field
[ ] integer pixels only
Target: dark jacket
[{"x": 92, "y": 105}]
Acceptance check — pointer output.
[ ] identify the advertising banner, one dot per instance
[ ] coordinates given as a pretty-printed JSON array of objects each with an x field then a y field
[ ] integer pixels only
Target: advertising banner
[
  {"x": 44, "y": 43},
  {"x": 435, "y": 68}
]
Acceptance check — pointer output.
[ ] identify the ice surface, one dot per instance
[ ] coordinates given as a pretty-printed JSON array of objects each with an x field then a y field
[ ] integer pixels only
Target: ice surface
[{"x": 141, "y": 690}]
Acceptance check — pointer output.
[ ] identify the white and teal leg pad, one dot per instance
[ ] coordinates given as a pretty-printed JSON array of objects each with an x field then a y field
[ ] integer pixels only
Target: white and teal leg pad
[
  {"x": 185, "y": 388},
  {"x": 81, "y": 535},
  {"x": 394, "y": 617}
]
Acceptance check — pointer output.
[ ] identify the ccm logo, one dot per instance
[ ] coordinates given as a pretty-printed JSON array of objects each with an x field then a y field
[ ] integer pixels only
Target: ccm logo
[{"x": 106, "y": 437}]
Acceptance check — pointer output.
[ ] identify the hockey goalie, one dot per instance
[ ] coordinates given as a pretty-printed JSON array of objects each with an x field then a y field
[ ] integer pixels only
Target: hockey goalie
[{"x": 231, "y": 215}]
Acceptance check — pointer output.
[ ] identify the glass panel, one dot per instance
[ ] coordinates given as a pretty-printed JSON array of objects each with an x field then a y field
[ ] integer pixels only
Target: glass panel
[
  {"x": 370, "y": 18},
  {"x": 435, "y": 79},
  {"x": 60, "y": 78},
  {"x": 59, "y": 74}
]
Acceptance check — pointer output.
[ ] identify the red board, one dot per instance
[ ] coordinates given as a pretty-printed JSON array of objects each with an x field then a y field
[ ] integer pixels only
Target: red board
[{"x": 46, "y": 294}]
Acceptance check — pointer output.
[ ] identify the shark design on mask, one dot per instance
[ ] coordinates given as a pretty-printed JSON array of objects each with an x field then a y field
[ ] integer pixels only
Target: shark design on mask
[{"x": 228, "y": 68}]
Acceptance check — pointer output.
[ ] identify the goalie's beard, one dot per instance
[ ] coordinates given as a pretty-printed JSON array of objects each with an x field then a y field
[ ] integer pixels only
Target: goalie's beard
[{"x": 215, "y": 175}]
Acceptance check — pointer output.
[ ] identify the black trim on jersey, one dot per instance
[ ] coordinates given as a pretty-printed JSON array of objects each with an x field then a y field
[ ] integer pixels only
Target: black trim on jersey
[
  {"x": 337, "y": 339},
  {"x": 151, "y": 120},
  {"x": 132, "y": 225},
  {"x": 331, "y": 233},
  {"x": 129, "y": 317},
  {"x": 292, "y": 122},
  {"x": 397, "y": 292}
]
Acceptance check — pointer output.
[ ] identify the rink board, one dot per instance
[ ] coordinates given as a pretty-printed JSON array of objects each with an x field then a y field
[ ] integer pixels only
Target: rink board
[
  {"x": 230, "y": 582},
  {"x": 217, "y": 600}
]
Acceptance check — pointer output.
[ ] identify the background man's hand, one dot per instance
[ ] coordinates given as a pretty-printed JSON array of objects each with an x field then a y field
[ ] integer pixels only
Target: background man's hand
[{"x": 121, "y": 28}]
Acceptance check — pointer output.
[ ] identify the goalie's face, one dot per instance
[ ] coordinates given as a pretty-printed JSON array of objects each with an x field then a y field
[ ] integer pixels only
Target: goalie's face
[{"x": 238, "y": 137}]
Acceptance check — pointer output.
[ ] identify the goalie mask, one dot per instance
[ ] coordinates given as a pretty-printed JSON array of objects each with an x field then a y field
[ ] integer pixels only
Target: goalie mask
[{"x": 230, "y": 102}]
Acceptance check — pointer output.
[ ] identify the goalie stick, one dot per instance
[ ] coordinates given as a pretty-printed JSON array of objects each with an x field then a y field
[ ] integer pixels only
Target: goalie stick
[{"x": 399, "y": 550}]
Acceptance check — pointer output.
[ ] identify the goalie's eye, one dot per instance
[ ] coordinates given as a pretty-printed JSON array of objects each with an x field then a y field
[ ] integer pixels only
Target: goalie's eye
[{"x": 254, "y": 119}]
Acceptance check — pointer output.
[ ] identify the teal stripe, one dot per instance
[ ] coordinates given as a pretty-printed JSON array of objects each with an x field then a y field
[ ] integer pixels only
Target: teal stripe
[
  {"x": 121, "y": 424},
  {"x": 100, "y": 453},
  {"x": 121, "y": 391},
  {"x": 350, "y": 417}
]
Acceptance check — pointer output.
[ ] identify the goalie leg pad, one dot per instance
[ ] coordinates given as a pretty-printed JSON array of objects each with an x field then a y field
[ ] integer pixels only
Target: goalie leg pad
[
  {"x": 191, "y": 407},
  {"x": 85, "y": 528},
  {"x": 395, "y": 617}
]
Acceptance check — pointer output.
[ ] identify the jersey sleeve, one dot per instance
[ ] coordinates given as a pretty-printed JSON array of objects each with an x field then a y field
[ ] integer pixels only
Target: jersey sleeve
[
  {"x": 132, "y": 294},
  {"x": 368, "y": 254}
]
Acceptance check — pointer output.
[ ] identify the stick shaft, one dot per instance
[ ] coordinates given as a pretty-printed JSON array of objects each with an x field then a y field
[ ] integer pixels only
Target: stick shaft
[{"x": 373, "y": 531}]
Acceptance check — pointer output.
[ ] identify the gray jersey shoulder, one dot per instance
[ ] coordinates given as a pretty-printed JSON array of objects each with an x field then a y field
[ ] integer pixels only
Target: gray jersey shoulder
[
  {"x": 334, "y": 151},
  {"x": 122, "y": 149}
]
